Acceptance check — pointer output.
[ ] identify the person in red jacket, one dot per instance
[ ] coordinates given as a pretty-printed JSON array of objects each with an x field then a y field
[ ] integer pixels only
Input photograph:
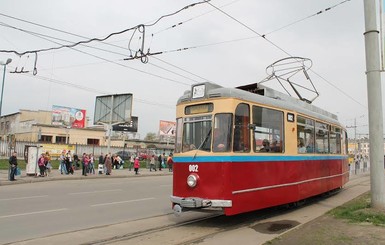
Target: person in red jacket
[
  {"x": 41, "y": 164},
  {"x": 136, "y": 165}
]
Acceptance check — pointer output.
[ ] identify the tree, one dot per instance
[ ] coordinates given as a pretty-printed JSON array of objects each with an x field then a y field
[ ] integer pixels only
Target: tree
[{"x": 150, "y": 137}]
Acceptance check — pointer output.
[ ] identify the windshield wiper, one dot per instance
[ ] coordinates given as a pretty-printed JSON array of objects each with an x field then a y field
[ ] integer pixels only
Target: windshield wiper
[{"x": 203, "y": 142}]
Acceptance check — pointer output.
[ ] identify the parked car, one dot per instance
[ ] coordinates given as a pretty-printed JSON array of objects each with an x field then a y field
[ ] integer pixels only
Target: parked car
[{"x": 125, "y": 155}]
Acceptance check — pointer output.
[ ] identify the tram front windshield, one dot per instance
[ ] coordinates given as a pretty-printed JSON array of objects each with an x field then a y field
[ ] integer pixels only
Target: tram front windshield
[{"x": 198, "y": 132}]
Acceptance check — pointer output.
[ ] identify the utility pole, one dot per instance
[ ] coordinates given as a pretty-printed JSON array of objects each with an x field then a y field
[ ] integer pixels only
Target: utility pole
[{"x": 377, "y": 179}]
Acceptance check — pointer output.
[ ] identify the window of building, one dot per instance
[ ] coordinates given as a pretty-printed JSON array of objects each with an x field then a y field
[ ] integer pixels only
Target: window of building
[
  {"x": 92, "y": 141},
  {"x": 268, "y": 130},
  {"x": 60, "y": 139},
  {"x": 46, "y": 138}
]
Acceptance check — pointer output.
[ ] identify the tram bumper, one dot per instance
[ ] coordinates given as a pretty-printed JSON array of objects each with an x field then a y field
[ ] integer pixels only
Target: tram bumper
[{"x": 196, "y": 202}]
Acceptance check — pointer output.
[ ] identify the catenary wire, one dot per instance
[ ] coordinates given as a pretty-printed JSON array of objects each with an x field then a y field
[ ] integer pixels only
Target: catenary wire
[
  {"x": 104, "y": 38},
  {"x": 91, "y": 90},
  {"x": 275, "y": 45},
  {"x": 110, "y": 61},
  {"x": 69, "y": 33}
]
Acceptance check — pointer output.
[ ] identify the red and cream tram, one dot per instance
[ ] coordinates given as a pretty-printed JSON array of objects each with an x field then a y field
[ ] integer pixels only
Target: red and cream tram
[{"x": 248, "y": 148}]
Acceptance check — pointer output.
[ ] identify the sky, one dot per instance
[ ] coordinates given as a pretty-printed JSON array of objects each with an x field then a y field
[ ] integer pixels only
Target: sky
[{"x": 219, "y": 41}]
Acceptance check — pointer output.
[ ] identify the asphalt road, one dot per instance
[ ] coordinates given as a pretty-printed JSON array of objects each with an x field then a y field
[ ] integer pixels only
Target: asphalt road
[{"x": 40, "y": 209}]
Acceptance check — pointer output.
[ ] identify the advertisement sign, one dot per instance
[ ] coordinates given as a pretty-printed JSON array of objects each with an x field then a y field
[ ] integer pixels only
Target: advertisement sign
[
  {"x": 167, "y": 128},
  {"x": 131, "y": 126},
  {"x": 68, "y": 117},
  {"x": 56, "y": 149}
]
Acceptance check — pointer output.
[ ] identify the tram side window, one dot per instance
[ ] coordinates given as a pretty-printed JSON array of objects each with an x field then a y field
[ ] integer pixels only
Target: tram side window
[
  {"x": 305, "y": 135},
  {"x": 335, "y": 140},
  {"x": 322, "y": 137},
  {"x": 241, "y": 128},
  {"x": 222, "y": 132},
  {"x": 268, "y": 130}
]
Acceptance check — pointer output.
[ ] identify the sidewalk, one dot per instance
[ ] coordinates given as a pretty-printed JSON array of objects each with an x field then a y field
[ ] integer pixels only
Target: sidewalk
[{"x": 55, "y": 175}]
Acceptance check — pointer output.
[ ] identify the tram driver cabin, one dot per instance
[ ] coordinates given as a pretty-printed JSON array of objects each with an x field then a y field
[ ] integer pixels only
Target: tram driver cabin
[{"x": 247, "y": 148}]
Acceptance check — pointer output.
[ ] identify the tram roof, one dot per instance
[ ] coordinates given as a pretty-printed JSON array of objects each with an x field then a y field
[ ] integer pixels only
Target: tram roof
[{"x": 259, "y": 94}]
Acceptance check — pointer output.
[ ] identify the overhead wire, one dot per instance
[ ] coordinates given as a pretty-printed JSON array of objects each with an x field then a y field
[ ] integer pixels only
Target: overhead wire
[
  {"x": 73, "y": 34},
  {"x": 106, "y": 37},
  {"x": 45, "y": 37},
  {"x": 305, "y": 18},
  {"x": 284, "y": 51},
  {"x": 91, "y": 90}
]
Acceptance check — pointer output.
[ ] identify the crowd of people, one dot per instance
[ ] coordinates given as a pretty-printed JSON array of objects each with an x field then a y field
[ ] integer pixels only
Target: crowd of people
[{"x": 69, "y": 162}]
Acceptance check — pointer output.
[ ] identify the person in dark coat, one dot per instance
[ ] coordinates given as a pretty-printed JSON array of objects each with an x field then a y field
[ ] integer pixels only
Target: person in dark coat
[{"x": 12, "y": 166}]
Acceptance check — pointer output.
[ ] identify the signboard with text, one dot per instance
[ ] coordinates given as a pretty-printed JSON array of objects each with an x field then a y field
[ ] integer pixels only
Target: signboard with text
[{"x": 131, "y": 126}]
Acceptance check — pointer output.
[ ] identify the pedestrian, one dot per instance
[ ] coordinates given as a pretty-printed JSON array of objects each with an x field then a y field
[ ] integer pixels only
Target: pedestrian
[
  {"x": 12, "y": 166},
  {"x": 119, "y": 161},
  {"x": 91, "y": 166},
  {"x": 68, "y": 161},
  {"x": 136, "y": 165},
  {"x": 62, "y": 159},
  {"x": 160, "y": 162},
  {"x": 76, "y": 161},
  {"x": 41, "y": 164},
  {"x": 132, "y": 159},
  {"x": 101, "y": 167},
  {"x": 170, "y": 162},
  {"x": 47, "y": 163},
  {"x": 108, "y": 164},
  {"x": 85, "y": 161},
  {"x": 152, "y": 163}
]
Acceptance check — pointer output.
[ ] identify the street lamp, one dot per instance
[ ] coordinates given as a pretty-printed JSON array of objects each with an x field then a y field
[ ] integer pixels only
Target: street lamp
[{"x": 2, "y": 85}]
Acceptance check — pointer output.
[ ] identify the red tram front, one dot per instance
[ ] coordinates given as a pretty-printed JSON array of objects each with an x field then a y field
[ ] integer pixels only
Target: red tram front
[{"x": 242, "y": 151}]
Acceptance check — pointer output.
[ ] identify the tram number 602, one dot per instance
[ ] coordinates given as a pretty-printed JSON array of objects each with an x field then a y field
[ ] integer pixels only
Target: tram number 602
[{"x": 193, "y": 168}]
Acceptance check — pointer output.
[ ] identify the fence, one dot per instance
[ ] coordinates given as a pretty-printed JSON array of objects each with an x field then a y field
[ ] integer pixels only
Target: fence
[{"x": 6, "y": 148}]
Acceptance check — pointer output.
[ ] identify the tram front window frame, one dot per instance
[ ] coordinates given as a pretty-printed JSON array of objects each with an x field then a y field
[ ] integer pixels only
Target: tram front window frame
[{"x": 197, "y": 133}]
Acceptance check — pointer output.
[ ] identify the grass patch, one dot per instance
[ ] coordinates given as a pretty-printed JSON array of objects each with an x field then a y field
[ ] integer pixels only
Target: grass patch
[{"x": 359, "y": 210}]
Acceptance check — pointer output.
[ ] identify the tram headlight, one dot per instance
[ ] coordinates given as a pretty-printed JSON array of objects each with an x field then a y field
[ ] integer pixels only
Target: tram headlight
[{"x": 192, "y": 180}]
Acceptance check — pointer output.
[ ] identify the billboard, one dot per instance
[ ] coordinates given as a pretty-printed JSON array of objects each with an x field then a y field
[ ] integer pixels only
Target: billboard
[
  {"x": 167, "y": 128},
  {"x": 114, "y": 108},
  {"x": 131, "y": 126},
  {"x": 68, "y": 117}
]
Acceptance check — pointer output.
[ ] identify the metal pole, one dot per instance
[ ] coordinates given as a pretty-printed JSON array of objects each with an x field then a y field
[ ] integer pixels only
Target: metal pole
[
  {"x": 110, "y": 125},
  {"x": 375, "y": 105},
  {"x": 2, "y": 89}
]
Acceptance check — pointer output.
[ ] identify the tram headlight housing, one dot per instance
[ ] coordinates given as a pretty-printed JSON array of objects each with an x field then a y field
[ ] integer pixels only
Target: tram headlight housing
[{"x": 192, "y": 180}]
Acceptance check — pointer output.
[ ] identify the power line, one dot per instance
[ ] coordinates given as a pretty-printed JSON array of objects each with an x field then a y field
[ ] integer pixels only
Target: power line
[
  {"x": 137, "y": 27},
  {"x": 92, "y": 90},
  {"x": 104, "y": 59},
  {"x": 305, "y": 18},
  {"x": 264, "y": 37},
  {"x": 69, "y": 33}
]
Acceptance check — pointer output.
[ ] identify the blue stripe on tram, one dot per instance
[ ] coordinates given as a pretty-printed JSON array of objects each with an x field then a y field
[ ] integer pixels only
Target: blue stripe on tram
[{"x": 189, "y": 159}]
